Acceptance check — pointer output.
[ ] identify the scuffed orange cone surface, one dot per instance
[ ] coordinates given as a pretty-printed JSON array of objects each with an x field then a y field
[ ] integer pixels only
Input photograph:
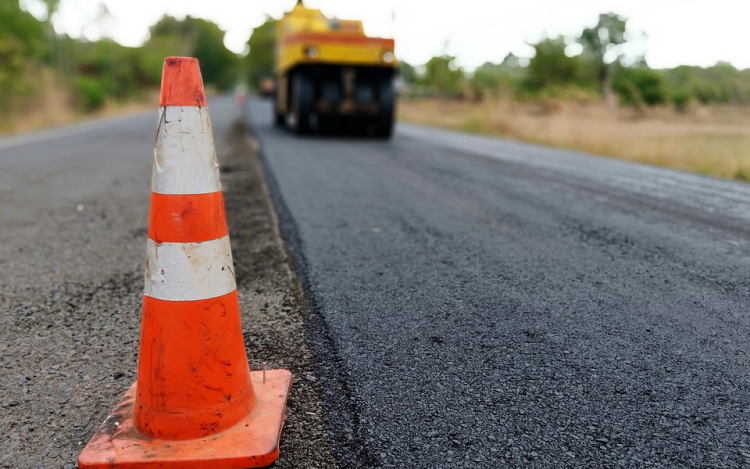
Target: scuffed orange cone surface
[
  {"x": 195, "y": 404},
  {"x": 181, "y": 83}
]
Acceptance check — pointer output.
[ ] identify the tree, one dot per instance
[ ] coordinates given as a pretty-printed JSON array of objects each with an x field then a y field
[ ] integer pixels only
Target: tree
[
  {"x": 444, "y": 76},
  {"x": 720, "y": 83},
  {"x": 21, "y": 39},
  {"x": 194, "y": 37},
  {"x": 551, "y": 66},
  {"x": 407, "y": 72},
  {"x": 639, "y": 86},
  {"x": 20, "y": 27},
  {"x": 262, "y": 45},
  {"x": 485, "y": 79},
  {"x": 219, "y": 65},
  {"x": 491, "y": 78},
  {"x": 105, "y": 69},
  {"x": 602, "y": 47}
]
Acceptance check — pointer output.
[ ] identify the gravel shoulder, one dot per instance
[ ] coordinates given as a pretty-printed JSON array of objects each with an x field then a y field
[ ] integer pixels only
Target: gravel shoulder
[
  {"x": 70, "y": 295},
  {"x": 273, "y": 302}
]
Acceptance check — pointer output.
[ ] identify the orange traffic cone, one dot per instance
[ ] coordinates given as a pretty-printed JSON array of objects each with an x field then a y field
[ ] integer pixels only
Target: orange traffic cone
[{"x": 196, "y": 404}]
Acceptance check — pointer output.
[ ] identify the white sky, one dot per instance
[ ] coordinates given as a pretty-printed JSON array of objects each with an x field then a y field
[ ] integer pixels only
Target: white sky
[{"x": 690, "y": 32}]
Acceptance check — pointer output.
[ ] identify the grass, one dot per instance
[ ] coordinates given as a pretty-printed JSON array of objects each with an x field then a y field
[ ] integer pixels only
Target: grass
[
  {"x": 53, "y": 108},
  {"x": 714, "y": 141}
]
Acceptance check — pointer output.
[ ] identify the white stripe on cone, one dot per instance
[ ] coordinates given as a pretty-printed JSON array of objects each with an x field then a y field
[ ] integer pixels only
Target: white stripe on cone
[
  {"x": 184, "y": 155},
  {"x": 189, "y": 271}
]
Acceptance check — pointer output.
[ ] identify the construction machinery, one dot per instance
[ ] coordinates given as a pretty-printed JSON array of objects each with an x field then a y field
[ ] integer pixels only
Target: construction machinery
[{"x": 330, "y": 76}]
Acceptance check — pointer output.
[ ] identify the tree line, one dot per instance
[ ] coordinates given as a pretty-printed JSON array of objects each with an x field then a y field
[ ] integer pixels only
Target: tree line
[
  {"x": 601, "y": 70},
  {"x": 94, "y": 72}
]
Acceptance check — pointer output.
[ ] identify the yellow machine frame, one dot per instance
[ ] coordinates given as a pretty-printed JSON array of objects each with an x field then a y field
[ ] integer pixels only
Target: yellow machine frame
[
  {"x": 329, "y": 73},
  {"x": 306, "y": 35}
]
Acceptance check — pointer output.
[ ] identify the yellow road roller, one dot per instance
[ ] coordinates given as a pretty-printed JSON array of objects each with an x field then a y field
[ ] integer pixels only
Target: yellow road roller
[{"x": 330, "y": 76}]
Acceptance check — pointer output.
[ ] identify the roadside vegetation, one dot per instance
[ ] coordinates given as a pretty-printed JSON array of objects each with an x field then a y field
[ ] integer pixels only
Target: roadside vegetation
[
  {"x": 50, "y": 79},
  {"x": 713, "y": 140},
  {"x": 592, "y": 92}
]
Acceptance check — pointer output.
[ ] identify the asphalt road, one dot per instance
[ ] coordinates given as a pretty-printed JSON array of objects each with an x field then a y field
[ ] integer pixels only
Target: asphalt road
[
  {"x": 476, "y": 302},
  {"x": 483, "y": 303},
  {"x": 73, "y": 224}
]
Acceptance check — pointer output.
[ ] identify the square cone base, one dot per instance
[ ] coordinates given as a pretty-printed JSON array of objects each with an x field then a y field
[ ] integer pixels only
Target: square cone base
[{"x": 251, "y": 442}]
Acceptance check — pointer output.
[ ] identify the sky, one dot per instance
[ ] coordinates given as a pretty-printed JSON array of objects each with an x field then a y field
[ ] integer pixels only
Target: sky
[{"x": 678, "y": 32}]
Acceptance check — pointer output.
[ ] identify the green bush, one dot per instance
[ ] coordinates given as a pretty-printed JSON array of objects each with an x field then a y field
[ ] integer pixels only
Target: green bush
[
  {"x": 710, "y": 92},
  {"x": 91, "y": 94},
  {"x": 493, "y": 79},
  {"x": 574, "y": 93},
  {"x": 638, "y": 86},
  {"x": 681, "y": 100},
  {"x": 551, "y": 66},
  {"x": 444, "y": 77}
]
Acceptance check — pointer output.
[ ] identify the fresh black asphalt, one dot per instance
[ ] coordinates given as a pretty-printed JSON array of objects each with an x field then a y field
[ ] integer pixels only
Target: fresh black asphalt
[{"x": 483, "y": 303}]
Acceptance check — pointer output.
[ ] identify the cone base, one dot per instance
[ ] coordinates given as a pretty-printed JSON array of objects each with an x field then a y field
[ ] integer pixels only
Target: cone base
[{"x": 252, "y": 442}]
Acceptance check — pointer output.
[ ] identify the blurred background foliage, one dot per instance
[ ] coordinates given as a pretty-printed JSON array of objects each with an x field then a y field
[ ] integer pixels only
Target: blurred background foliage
[
  {"x": 22, "y": 41},
  {"x": 34, "y": 59},
  {"x": 590, "y": 66},
  {"x": 261, "y": 47},
  {"x": 599, "y": 70}
]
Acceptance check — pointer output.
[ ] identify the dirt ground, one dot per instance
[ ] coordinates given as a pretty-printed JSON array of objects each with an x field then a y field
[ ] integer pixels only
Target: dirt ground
[
  {"x": 712, "y": 140},
  {"x": 71, "y": 315}
]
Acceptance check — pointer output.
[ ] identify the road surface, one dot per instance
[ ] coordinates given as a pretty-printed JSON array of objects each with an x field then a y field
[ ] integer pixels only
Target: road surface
[
  {"x": 73, "y": 225},
  {"x": 476, "y": 302},
  {"x": 484, "y": 303}
]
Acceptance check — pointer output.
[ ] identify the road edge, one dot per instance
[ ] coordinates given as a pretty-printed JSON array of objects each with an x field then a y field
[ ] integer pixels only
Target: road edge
[{"x": 341, "y": 415}]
